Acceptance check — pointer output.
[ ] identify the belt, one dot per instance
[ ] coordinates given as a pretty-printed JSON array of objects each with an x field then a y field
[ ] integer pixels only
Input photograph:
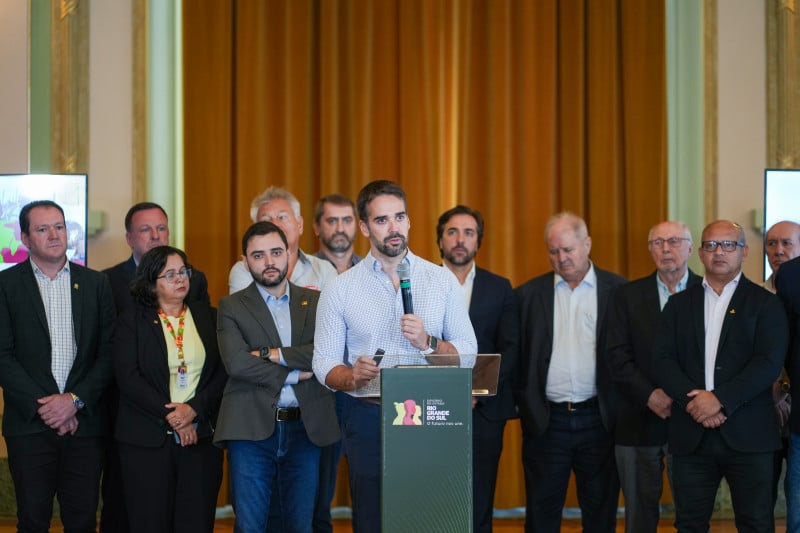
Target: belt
[
  {"x": 287, "y": 414},
  {"x": 591, "y": 403}
]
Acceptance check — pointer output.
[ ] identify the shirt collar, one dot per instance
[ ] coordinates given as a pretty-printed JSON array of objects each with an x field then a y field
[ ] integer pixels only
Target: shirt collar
[
  {"x": 267, "y": 296},
  {"x": 734, "y": 282},
  {"x": 376, "y": 265},
  {"x": 38, "y": 271},
  {"x": 470, "y": 275},
  {"x": 590, "y": 278},
  {"x": 678, "y": 288}
]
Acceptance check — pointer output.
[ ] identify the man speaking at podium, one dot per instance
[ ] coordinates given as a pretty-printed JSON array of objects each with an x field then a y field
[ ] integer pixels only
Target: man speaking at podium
[{"x": 363, "y": 311}]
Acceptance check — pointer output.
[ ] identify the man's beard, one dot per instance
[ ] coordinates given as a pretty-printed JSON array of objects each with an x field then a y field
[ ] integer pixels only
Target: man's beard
[
  {"x": 338, "y": 245},
  {"x": 392, "y": 251},
  {"x": 260, "y": 279},
  {"x": 459, "y": 260}
]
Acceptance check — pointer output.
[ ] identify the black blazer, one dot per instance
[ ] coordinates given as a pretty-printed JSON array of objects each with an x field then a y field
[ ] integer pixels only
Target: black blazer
[
  {"x": 752, "y": 347},
  {"x": 535, "y": 299},
  {"x": 122, "y": 274},
  {"x": 493, "y": 313},
  {"x": 787, "y": 284},
  {"x": 140, "y": 363},
  {"x": 632, "y": 317},
  {"x": 25, "y": 349}
]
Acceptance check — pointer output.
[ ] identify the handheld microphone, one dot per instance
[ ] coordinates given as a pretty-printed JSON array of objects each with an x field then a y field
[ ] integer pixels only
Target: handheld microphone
[{"x": 404, "y": 273}]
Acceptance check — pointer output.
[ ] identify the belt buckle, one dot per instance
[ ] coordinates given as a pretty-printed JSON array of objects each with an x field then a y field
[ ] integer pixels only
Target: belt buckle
[{"x": 281, "y": 414}]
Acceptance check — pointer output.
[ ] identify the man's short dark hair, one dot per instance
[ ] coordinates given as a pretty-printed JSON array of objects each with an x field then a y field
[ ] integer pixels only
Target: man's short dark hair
[
  {"x": 335, "y": 199},
  {"x": 143, "y": 286},
  {"x": 377, "y": 188},
  {"x": 25, "y": 213},
  {"x": 262, "y": 228},
  {"x": 141, "y": 206},
  {"x": 459, "y": 210}
]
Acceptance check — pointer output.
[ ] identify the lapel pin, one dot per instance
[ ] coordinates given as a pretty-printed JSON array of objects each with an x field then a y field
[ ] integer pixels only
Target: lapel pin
[
  {"x": 155, "y": 322},
  {"x": 75, "y": 286},
  {"x": 304, "y": 303},
  {"x": 732, "y": 311}
]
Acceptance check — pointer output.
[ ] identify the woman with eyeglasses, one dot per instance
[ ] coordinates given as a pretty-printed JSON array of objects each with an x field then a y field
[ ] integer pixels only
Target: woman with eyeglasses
[{"x": 170, "y": 380}]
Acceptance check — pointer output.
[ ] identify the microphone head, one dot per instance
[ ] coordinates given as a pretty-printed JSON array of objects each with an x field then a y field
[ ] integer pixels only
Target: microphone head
[{"x": 404, "y": 271}]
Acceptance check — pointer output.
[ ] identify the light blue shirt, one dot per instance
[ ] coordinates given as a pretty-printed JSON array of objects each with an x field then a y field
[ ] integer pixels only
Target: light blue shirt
[
  {"x": 663, "y": 290},
  {"x": 281, "y": 315},
  {"x": 360, "y": 311}
]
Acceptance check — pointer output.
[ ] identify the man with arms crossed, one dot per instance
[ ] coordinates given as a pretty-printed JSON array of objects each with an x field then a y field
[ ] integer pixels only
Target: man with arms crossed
[
  {"x": 335, "y": 225},
  {"x": 275, "y": 416},
  {"x": 642, "y": 410},
  {"x": 56, "y": 321},
  {"x": 719, "y": 346},
  {"x": 493, "y": 313},
  {"x": 361, "y": 312},
  {"x": 564, "y": 382}
]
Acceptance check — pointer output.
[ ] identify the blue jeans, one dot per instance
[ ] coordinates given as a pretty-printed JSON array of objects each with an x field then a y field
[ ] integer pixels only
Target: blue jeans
[
  {"x": 793, "y": 485},
  {"x": 290, "y": 457}
]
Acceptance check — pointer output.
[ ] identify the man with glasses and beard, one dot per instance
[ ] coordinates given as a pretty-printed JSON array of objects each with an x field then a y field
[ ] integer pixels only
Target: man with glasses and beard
[
  {"x": 493, "y": 312},
  {"x": 335, "y": 225},
  {"x": 275, "y": 416}
]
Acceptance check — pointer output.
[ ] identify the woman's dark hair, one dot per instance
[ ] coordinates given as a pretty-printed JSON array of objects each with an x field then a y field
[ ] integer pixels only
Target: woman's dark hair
[{"x": 143, "y": 286}]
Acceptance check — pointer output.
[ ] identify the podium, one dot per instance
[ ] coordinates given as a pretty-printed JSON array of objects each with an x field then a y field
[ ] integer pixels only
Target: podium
[{"x": 426, "y": 449}]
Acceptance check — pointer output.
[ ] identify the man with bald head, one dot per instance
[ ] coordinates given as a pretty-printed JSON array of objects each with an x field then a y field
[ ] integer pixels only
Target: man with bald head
[
  {"x": 563, "y": 384},
  {"x": 719, "y": 346},
  {"x": 781, "y": 244},
  {"x": 642, "y": 409}
]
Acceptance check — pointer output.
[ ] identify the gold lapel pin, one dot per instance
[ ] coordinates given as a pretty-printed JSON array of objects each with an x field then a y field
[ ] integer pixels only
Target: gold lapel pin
[
  {"x": 732, "y": 311},
  {"x": 304, "y": 303},
  {"x": 75, "y": 286}
]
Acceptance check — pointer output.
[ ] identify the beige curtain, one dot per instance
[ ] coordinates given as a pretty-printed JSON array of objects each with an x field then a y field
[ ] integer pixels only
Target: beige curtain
[{"x": 516, "y": 108}]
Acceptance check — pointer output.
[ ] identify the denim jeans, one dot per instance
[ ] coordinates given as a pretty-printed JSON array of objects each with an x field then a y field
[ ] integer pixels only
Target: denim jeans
[
  {"x": 287, "y": 455},
  {"x": 793, "y": 485}
]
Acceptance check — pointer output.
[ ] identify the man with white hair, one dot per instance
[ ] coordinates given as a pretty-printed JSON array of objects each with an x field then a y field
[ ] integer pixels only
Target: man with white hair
[{"x": 279, "y": 206}]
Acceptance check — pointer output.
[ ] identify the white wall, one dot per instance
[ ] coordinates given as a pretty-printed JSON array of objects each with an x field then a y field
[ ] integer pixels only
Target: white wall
[
  {"x": 742, "y": 122},
  {"x": 111, "y": 127}
]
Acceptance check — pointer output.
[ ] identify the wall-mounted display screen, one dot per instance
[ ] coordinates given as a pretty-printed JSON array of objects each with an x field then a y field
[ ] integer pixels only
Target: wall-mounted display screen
[
  {"x": 781, "y": 193},
  {"x": 70, "y": 191}
]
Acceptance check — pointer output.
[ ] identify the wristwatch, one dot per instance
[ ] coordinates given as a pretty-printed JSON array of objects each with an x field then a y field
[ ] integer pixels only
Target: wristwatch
[
  {"x": 433, "y": 344},
  {"x": 264, "y": 353},
  {"x": 77, "y": 402}
]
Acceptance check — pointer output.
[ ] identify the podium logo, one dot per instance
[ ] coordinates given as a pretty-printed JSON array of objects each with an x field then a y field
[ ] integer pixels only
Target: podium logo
[{"x": 409, "y": 413}]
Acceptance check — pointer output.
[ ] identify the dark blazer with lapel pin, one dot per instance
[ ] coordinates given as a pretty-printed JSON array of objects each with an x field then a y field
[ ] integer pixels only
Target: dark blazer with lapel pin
[
  {"x": 752, "y": 346},
  {"x": 121, "y": 275},
  {"x": 25, "y": 349},
  {"x": 254, "y": 386},
  {"x": 787, "y": 284},
  {"x": 140, "y": 361},
  {"x": 632, "y": 317},
  {"x": 536, "y": 305}
]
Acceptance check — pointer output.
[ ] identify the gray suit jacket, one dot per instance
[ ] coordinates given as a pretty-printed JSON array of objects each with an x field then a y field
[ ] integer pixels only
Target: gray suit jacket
[{"x": 251, "y": 395}]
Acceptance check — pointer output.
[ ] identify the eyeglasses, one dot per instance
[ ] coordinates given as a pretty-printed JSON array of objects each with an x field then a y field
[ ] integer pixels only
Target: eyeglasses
[
  {"x": 172, "y": 277},
  {"x": 727, "y": 246},
  {"x": 673, "y": 242}
]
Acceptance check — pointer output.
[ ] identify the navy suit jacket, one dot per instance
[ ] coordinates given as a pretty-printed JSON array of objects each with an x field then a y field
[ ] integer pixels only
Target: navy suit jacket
[
  {"x": 493, "y": 313},
  {"x": 536, "y": 307},
  {"x": 632, "y": 317},
  {"x": 140, "y": 362},
  {"x": 787, "y": 283},
  {"x": 25, "y": 349},
  {"x": 121, "y": 275},
  {"x": 752, "y": 346}
]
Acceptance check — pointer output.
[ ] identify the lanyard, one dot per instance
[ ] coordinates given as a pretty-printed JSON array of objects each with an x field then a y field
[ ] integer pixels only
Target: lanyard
[{"x": 177, "y": 338}]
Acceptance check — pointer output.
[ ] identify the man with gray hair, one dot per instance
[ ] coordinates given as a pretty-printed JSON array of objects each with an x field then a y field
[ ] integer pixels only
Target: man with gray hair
[
  {"x": 781, "y": 244},
  {"x": 642, "y": 409},
  {"x": 279, "y": 206},
  {"x": 563, "y": 387}
]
